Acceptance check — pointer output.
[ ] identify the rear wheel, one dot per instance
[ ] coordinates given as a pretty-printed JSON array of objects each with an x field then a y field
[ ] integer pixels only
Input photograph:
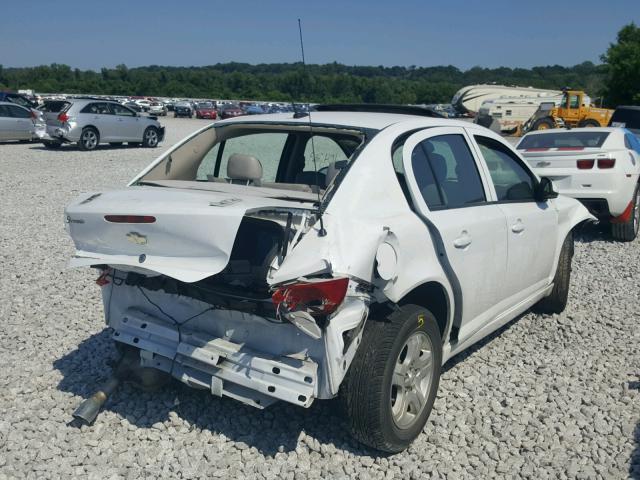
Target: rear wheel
[
  {"x": 628, "y": 231},
  {"x": 390, "y": 388},
  {"x": 89, "y": 139},
  {"x": 150, "y": 138},
  {"x": 588, "y": 123},
  {"x": 543, "y": 124},
  {"x": 557, "y": 300}
]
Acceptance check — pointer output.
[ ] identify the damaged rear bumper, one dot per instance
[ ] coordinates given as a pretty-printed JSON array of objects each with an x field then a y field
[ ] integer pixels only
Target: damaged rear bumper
[{"x": 224, "y": 367}]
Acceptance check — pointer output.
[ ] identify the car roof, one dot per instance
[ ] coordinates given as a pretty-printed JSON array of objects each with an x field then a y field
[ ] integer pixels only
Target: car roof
[
  {"x": 14, "y": 104},
  {"x": 369, "y": 120}
]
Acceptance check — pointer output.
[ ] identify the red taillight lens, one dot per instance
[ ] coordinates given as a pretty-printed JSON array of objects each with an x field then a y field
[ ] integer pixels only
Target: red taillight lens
[
  {"x": 130, "y": 218},
  {"x": 103, "y": 279},
  {"x": 316, "y": 298},
  {"x": 606, "y": 162},
  {"x": 585, "y": 164},
  {"x": 63, "y": 117}
]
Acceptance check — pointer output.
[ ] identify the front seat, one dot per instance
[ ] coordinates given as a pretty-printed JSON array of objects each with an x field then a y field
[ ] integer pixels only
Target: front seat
[{"x": 244, "y": 169}]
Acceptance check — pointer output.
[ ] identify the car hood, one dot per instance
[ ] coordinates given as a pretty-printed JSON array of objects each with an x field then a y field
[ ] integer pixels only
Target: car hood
[{"x": 190, "y": 238}]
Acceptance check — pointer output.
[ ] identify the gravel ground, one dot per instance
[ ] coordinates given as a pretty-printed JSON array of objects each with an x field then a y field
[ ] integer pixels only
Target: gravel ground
[{"x": 546, "y": 397}]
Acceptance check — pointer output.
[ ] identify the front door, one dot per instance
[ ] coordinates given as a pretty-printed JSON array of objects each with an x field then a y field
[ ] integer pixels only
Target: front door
[
  {"x": 128, "y": 127},
  {"x": 532, "y": 227},
  {"x": 451, "y": 194}
]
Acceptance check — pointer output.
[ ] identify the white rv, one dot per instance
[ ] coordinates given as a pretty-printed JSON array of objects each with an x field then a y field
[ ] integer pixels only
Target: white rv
[{"x": 468, "y": 99}]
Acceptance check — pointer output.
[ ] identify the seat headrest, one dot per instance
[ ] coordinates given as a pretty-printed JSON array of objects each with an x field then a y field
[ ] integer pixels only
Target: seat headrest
[
  {"x": 334, "y": 169},
  {"x": 244, "y": 167}
]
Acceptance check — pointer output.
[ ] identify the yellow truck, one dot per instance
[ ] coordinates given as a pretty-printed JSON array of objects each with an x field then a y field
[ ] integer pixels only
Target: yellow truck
[{"x": 575, "y": 110}]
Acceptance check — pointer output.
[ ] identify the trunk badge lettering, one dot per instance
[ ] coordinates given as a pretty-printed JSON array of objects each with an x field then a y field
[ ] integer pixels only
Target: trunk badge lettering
[
  {"x": 225, "y": 202},
  {"x": 137, "y": 238}
]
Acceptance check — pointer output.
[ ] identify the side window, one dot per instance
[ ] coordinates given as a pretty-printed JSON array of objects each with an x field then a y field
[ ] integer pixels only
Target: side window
[
  {"x": 327, "y": 152},
  {"x": 97, "y": 109},
  {"x": 17, "y": 112},
  {"x": 4, "y": 111},
  {"x": 574, "y": 101},
  {"x": 512, "y": 181},
  {"x": 446, "y": 172},
  {"x": 122, "y": 111}
]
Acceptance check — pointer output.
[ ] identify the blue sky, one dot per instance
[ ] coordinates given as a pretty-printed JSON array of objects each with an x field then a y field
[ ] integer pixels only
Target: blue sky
[{"x": 96, "y": 33}]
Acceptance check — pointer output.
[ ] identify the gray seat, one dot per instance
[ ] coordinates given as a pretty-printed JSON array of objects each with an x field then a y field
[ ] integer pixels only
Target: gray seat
[{"x": 244, "y": 169}]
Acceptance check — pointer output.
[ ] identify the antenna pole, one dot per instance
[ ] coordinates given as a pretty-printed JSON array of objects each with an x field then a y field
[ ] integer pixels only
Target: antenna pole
[{"x": 322, "y": 232}]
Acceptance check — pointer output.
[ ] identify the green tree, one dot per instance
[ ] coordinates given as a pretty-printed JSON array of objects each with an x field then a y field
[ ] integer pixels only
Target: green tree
[{"x": 623, "y": 67}]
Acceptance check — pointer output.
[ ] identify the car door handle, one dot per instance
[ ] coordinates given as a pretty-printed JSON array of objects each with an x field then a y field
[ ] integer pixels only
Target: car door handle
[
  {"x": 517, "y": 227},
  {"x": 463, "y": 241}
]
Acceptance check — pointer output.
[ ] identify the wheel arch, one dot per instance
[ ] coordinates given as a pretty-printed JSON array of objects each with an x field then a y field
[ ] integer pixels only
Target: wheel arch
[
  {"x": 433, "y": 296},
  {"x": 93, "y": 127}
]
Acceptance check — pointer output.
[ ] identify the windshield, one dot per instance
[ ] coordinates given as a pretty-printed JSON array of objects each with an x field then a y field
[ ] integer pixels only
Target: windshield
[
  {"x": 205, "y": 105},
  {"x": 626, "y": 117},
  {"x": 563, "y": 139},
  {"x": 266, "y": 156}
]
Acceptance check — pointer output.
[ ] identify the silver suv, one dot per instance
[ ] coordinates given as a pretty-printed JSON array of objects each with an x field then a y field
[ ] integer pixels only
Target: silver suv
[{"x": 89, "y": 122}]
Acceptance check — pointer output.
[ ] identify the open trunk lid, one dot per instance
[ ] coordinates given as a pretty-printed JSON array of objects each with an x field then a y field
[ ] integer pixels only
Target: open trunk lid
[{"x": 185, "y": 234}]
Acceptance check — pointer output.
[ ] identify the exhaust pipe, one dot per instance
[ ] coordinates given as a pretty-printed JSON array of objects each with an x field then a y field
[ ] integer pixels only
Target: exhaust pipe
[{"x": 89, "y": 409}]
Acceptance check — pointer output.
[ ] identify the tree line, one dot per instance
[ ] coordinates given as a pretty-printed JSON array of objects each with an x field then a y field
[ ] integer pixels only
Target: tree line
[{"x": 336, "y": 82}]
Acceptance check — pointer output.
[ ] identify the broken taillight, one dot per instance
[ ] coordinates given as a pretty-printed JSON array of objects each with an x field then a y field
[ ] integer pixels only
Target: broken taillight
[
  {"x": 103, "y": 279},
  {"x": 63, "y": 117},
  {"x": 585, "y": 164},
  {"x": 130, "y": 218},
  {"x": 316, "y": 298}
]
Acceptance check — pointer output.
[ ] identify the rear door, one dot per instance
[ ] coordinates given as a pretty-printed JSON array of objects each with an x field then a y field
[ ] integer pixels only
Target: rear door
[
  {"x": 100, "y": 116},
  {"x": 532, "y": 227},
  {"x": 23, "y": 127},
  {"x": 451, "y": 193},
  {"x": 6, "y": 123}
]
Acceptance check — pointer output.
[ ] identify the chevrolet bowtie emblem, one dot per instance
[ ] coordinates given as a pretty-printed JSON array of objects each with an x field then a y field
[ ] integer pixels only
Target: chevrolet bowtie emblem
[{"x": 138, "y": 239}]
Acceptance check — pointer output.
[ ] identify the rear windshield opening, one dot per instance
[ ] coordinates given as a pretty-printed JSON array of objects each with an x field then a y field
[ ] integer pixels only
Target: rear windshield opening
[
  {"x": 262, "y": 156},
  {"x": 564, "y": 139}
]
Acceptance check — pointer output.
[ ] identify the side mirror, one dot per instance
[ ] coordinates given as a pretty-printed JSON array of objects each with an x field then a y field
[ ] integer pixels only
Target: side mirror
[{"x": 544, "y": 190}]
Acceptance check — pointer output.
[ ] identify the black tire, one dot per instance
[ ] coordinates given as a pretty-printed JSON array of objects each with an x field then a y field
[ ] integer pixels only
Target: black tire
[
  {"x": 115, "y": 144},
  {"x": 89, "y": 139},
  {"x": 588, "y": 123},
  {"x": 557, "y": 299},
  {"x": 367, "y": 392},
  {"x": 52, "y": 145},
  {"x": 628, "y": 231},
  {"x": 543, "y": 124},
  {"x": 150, "y": 137}
]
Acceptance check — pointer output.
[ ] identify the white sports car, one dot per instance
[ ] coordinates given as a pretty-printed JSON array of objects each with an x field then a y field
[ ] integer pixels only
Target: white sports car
[
  {"x": 348, "y": 254},
  {"x": 598, "y": 166}
]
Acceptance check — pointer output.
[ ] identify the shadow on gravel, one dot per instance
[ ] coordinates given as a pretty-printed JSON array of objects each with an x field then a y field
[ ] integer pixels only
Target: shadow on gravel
[
  {"x": 74, "y": 148},
  {"x": 594, "y": 232},
  {"x": 275, "y": 429},
  {"x": 634, "y": 463}
]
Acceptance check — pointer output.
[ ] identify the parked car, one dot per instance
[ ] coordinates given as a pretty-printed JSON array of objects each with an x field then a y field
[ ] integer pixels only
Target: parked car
[
  {"x": 598, "y": 166},
  {"x": 230, "y": 111},
  {"x": 183, "y": 109},
  {"x": 158, "y": 109},
  {"x": 144, "y": 104},
  {"x": 89, "y": 122},
  {"x": 254, "y": 110},
  {"x": 16, "y": 122},
  {"x": 627, "y": 117},
  {"x": 235, "y": 265},
  {"x": 133, "y": 106},
  {"x": 18, "y": 99},
  {"x": 206, "y": 110}
]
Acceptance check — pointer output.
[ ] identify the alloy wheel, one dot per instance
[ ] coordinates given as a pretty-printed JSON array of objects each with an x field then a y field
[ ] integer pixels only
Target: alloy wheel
[{"x": 411, "y": 380}]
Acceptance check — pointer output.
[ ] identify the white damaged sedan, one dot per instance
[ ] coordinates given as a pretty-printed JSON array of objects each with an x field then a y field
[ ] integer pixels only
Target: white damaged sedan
[{"x": 350, "y": 253}]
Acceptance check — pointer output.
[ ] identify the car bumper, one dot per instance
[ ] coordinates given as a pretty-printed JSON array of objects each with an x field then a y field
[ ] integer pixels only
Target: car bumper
[{"x": 62, "y": 133}]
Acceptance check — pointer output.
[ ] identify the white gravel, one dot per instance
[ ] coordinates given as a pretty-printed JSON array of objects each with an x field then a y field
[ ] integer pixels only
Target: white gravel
[{"x": 548, "y": 397}]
